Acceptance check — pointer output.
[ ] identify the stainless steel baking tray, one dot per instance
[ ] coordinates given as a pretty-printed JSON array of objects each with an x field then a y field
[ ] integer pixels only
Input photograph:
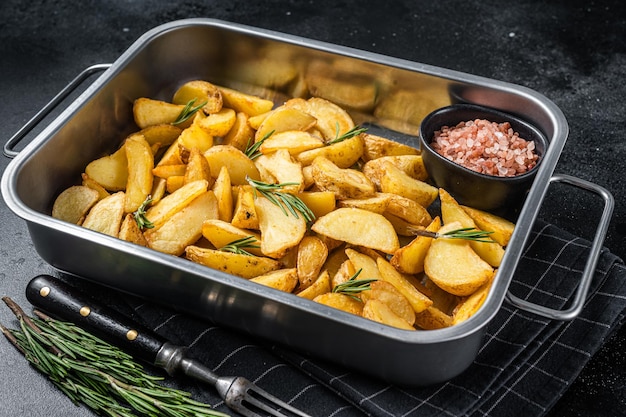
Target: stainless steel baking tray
[{"x": 230, "y": 54}]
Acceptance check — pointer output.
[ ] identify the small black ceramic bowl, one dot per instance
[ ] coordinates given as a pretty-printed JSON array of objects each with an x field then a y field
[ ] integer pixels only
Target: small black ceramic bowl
[{"x": 502, "y": 195}]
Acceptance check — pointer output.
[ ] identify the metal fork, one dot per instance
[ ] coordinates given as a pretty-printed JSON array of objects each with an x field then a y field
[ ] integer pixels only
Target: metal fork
[{"x": 68, "y": 303}]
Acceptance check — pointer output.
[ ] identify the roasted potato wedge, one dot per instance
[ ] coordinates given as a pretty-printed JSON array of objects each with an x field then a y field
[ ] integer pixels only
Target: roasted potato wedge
[
  {"x": 245, "y": 214},
  {"x": 295, "y": 141},
  {"x": 345, "y": 183},
  {"x": 281, "y": 279},
  {"x": 223, "y": 192},
  {"x": 244, "y": 266},
  {"x": 501, "y": 228},
  {"x": 377, "y": 310},
  {"x": 312, "y": 254},
  {"x": 198, "y": 92},
  {"x": 221, "y": 233},
  {"x": 106, "y": 215},
  {"x": 130, "y": 231},
  {"x": 148, "y": 112},
  {"x": 418, "y": 300},
  {"x": 395, "y": 181},
  {"x": 238, "y": 164},
  {"x": 73, "y": 204},
  {"x": 245, "y": 103},
  {"x": 279, "y": 231},
  {"x": 240, "y": 134},
  {"x": 376, "y": 147},
  {"x": 140, "y": 164},
  {"x": 386, "y": 293},
  {"x": 160, "y": 212},
  {"x": 110, "y": 171},
  {"x": 332, "y": 120},
  {"x": 344, "y": 154},
  {"x": 318, "y": 287},
  {"x": 284, "y": 119},
  {"x": 341, "y": 302},
  {"x": 409, "y": 259}
]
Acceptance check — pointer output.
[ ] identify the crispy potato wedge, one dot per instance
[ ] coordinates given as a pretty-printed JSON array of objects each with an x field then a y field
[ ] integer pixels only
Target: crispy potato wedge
[
  {"x": 409, "y": 210},
  {"x": 94, "y": 185},
  {"x": 238, "y": 164},
  {"x": 284, "y": 119},
  {"x": 341, "y": 302},
  {"x": 468, "y": 306},
  {"x": 184, "y": 227},
  {"x": 198, "y": 168},
  {"x": 73, "y": 204},
  {"x": 244, "y": 266},
  {"x": 279, "y": 231},
  {"x": 409, "y": 259},
  {"x": 320, "y": 202},
  {"x": 166, "y": 171},
  {"x": 130, "y": 231},
  {"x": 140, "y": 165},
  {"x": 280, "y": 168},
  {"x": 244, "y": 214},
  {"x": 395, "y": 181},
  {"x": 171, "y": 204},
  {"x": 320, "y": 286},
  {"x": 376, "y": 147},
  {"x": 312, "y": 254},
  {"x": 219, "y": 123},
  {"x": 378, "y": 311},
  {"x": 159, "y": 186},
  {"x": 417, "y": 299},
  {"x": 281, "y": 279},
  {"x": 332, "y": 120},
  {"x": 161, "y": 135},
  {"x": 149, "y": 112},
  {"x": 377, "y": 204},
  {"x": 386, "y": 293},
  {"x": 344, "y": 154},
  {"x": 432, "y": 318},
  {"x": 451, "y": 211},
  {"x": 358, "y": 227},
  {"x": 345, "y": 271},
  {"x": 245, "y": 103},
  {"x": 221, "y": 233},
  {"x": 195, "y": 136},
  {"x": 106, "y": 215},
  {"x": 174, "y": 182},
  {"x": 364, "y": 263},
  {"x": 110, "y": 171},
  {"x": 453, "y": 265},
  {"x": 222, "y": 190},
  {"x": 411, "y": 165},
  {"x": 501, "y": 228},
  {"x": 295, "y": 141},
  {"x": 240, "y": 134},
  {"x": 200, "y": 92},
  {"x": 346, "y": 183}
]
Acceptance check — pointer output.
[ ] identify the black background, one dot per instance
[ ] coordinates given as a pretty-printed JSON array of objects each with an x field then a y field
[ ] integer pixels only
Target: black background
[{"x": 573, "y": 52}]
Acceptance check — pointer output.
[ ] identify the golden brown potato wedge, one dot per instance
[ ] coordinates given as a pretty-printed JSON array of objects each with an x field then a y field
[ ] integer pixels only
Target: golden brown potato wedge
[
  {"x": 94, "y": 185},
  {"x": 222, "y": 190},
  {"x": 332, "y": 120},
  {"x": 198, "y": 168},
  {"x": 363, "y": 264},
  {"x": 238, "y": 164},
  {"x": 161, "y": 135},
  {"x": 409, "y": 259},
  {"x": 245, "y": 214},
  {"x": 432, "y": 318},
  {"x": 411, "y": 165},
  {"x": 395, "y": 181},
  {"x": 409, "y": 210},
  {"x": 468, "y": 306},
  {"x": 320, "y": 286},
  {"x": 73, "y": 204},
  {"x": 281, "y": 279},
  {"x": 106, "y": 215},
  {"x": 501, "y": 228},
  {"x": 344, "y": 154},
  {"x": 244, "y": 266},
  {"x": 160, "y": 212},
  {"x": 245, "y": 103},
  {"x": 199, "y": 91},
  {"x": 279, "y": 231},
  {"x": 149, "y": 112},
  {"x": 358, "y": 227},
  {"x": 417, "y": 299},
  {"x": 453, "y": 265},
  {"x": 341, "y": 302},
  {"x": 130, "y": 231},
  {"x": 280, "y": 168},
  {"x": 140, "y": 165},
  {"x": 377, "y": 204},
  {"x": 110, "y": 171},
  {"x": 345, "y": 183},
  {"x": 221, "y": 233},
  {"x": 284, "y": 119},
  {"x": 380, "y": 312},
  {"x": 386, "y": 293},
  {"x": 166, "y": 171},
  {"x": 295, "y": 141},
  {"x": 240, "y": 134},
  {"x": 320, "y": 202},
  {"x": 218, "y": 123},
  {"x": 184, "y": 227},
  {"x": 451, "y": 211},
  {"x": 312, "y": 254},
  {"x": 376, "y": 147}
]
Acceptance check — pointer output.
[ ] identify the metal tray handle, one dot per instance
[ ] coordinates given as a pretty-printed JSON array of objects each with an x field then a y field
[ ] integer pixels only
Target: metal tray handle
[
  {"x": 30, "y": 125},
  {"x": 590, "y": 267}
]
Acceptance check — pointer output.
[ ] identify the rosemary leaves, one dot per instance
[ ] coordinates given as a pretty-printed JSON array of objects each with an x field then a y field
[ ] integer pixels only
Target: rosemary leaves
[
  {"x": 289, "y": 203},
  {"x": 95, "y": 373},
  {"x": 188, "y": 111}
]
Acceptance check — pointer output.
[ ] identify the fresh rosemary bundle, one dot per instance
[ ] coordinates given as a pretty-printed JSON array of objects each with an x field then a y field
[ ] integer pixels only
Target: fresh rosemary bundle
[
  {"x": 188, "y": 111},
  {"x": 467, "y": 233},
  {"x": 239, "y": 246},
  {"x": 95, "y": 373},
  {"x": 353, "y": 286},
  {"x": 140, "y": 215}
]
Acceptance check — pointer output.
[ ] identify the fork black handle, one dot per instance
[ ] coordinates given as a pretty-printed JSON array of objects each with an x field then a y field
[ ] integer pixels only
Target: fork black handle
[{"x": 67, "y": 303}]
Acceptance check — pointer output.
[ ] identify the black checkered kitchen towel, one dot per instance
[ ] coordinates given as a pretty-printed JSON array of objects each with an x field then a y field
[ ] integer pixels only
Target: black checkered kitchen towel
[{"x": 524, "y": 365}]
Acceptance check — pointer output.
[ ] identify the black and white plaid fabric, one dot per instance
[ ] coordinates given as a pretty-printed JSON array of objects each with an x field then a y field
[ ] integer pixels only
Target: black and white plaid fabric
[{"x": 525, "y": 364}]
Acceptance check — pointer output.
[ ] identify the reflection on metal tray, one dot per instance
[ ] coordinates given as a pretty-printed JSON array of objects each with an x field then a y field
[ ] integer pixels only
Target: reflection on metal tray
[{"x": 378, "y": 90}]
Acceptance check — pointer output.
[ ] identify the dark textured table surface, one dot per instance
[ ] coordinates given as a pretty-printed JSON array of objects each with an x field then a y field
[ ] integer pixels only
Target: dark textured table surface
[{"x": 571, "y": 51}]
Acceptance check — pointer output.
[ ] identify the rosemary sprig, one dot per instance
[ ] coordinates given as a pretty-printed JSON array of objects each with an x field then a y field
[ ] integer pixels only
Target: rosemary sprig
[
  {"x": 239, "y": 246},
  {"x": 95, "y": 373},
  {"x": 467, "y": 233},
  {"x": 252, "y": 150},
  {"x": 354, "y": 286},
  {"x": 356, "y": 130},
  {"x": 140, "y": 215},
  {"x": 188, "y": 111},
  {"x": 292, "y": 202}
]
